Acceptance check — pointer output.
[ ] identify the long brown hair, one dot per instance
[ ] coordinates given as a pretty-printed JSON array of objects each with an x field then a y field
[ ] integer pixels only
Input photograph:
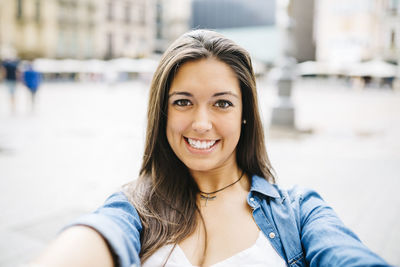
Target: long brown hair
[{"x": 165, "y": 193}]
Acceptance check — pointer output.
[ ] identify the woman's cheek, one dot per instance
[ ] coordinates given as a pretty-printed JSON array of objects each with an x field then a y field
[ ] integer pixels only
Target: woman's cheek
[
  {"x": 229, "y": 126},
  {"x": 177, "y": 123}
]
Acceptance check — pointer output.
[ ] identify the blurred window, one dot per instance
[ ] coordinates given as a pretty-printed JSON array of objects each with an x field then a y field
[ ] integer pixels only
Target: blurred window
[
  {"x": 159, "y": 20},
  {"x": 128, "y": 13},
  {"x": 110, "y": 11},
  {"x": 91, "y": 8},
  {"x": 142, "y": 13},
  {"x": 89, "y": 51},
  {"x": 61, "y": 42},
  {"x": 127, "y": 39},
  {"x": 394, "y": 6},
  {"x": 37, "y": 10},
  {"x": 393, "y": 40},
  {"x": 74, "y": 44},
  {"x": 19, "y": 9},
  {"x": 110, "y": 41}
]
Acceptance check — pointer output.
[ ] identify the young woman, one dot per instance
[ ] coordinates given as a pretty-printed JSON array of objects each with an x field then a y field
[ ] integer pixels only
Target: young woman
[{"x": 205, "y": 195}]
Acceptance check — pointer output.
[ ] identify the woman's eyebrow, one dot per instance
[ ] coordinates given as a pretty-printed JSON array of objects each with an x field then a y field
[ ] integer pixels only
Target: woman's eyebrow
[
  {"x": 180, "y": 93},
  {"x": 225, "y": 93},
  {"x": 214, "y": 95}
]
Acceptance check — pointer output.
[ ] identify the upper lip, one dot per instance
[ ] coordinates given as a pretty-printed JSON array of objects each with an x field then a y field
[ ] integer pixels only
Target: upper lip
[{"x": 201, "y": 140}]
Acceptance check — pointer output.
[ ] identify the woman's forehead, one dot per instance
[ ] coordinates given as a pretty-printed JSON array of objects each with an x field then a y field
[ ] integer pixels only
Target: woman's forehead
[{"x": 209, "y": 76}]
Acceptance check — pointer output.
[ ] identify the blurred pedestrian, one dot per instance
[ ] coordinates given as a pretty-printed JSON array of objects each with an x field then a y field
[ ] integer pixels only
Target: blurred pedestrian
[
  {"x": 9, "y": 69},
  {"x": 32, "y": 79}
]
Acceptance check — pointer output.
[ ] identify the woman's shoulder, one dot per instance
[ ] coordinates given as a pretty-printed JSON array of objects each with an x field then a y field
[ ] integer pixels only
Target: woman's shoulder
[
  {"x": 301, "y": 200},
  {"x": 303, "y": 194},
  {"x": 117, "y": 209},
  {"x": 295, "y": 193},
  {"x": 118, "y": 204},
  {"x": 118, "y": 199}
]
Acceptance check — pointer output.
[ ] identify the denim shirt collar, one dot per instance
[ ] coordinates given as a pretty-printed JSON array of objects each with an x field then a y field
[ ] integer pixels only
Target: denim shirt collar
[{"x": 262, "y": 186}]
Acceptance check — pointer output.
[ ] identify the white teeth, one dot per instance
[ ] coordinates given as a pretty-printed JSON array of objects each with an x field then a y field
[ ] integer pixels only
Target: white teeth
[{"x": 200, "y": 144}]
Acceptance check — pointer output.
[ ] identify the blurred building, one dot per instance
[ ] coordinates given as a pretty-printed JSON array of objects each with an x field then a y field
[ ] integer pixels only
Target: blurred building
[
  {"x": 172, "y": 19},
  {"x": 77, "y": 29},
  {"x": 126, "y": 28},
  {"x": 23, "y": 27},
  {"x": 74, "y": 28},
  {"x": 357, "y": 30},
  {"x": 220, "y": 14}
]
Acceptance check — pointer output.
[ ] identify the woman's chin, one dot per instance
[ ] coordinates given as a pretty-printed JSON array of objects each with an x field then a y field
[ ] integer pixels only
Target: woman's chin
[{"x": 201, "y": 166}]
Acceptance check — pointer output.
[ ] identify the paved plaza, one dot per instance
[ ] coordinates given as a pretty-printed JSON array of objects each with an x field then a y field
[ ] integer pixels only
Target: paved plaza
[{"x": 84, "y": 140}]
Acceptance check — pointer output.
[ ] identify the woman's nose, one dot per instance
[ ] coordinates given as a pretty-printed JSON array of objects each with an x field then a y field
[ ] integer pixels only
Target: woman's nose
[{"x": 201, "y": 122}]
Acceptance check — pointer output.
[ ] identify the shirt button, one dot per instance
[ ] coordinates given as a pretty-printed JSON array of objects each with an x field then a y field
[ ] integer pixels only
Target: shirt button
[
  {"x": 252, "y": 199},
  {"x": 272, "y": 235}
]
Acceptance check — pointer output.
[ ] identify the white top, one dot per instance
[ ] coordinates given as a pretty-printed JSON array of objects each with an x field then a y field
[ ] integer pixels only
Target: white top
[{"x": 260, "y": 254}]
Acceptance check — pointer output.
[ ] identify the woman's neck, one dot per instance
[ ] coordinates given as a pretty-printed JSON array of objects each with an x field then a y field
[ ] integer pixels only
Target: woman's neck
[{"x": 212, "y": 180}]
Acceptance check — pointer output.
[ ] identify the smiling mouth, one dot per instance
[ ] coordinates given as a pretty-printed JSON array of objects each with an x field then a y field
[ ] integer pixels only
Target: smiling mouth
[{"x": 201, "y": 145}]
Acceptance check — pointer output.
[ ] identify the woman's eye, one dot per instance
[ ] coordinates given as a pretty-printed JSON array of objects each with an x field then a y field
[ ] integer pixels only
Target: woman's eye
[
  {"x": 223, "y": 104},
  {"x": 182, "y": 102}
]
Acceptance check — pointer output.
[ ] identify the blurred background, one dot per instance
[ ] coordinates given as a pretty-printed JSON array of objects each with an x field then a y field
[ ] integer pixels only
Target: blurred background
[{"x": 74, "y": 87}]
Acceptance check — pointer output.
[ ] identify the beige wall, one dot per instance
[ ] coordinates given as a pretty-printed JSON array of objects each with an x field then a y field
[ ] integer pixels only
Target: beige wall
[
  {"x": 7, "y": 27},
  {"x": 28, "y": 35},
  {"x": 49, "y": 24}
]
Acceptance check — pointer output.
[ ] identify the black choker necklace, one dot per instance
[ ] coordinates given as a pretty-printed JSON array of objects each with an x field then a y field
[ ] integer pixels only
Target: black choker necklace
[{"x": 207, "y": 197}]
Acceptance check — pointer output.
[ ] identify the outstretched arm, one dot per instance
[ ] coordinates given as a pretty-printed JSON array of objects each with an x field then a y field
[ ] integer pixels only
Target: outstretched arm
[
  {"x": 79, "y": 246},
  {"x": 109, "y": 236},
  {"x": 326, "y": 240}
]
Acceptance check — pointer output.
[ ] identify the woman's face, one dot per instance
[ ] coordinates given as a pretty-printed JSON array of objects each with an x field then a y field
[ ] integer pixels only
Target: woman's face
[{"x": 204, "y": 115}]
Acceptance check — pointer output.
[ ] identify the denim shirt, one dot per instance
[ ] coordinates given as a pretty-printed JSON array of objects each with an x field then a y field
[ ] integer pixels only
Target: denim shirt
[{"x": 302, "y": 228}]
